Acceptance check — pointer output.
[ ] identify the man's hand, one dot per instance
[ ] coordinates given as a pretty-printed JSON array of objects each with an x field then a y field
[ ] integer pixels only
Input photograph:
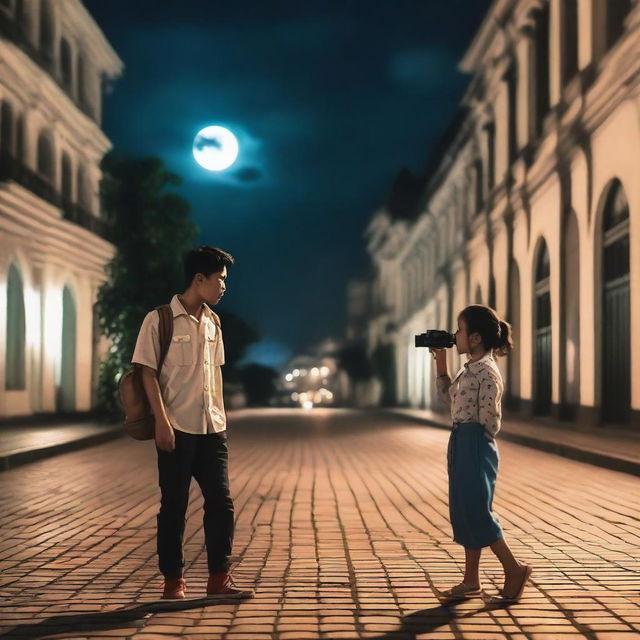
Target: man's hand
[{"x": 165, "y": 438}]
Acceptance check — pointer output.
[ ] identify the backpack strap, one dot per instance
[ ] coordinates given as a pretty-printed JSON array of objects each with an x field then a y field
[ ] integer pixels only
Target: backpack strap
[{"x": 165, "y": 332}]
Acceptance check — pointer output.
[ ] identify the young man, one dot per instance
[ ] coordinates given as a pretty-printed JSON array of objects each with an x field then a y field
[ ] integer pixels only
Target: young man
[{"x": 190, "y": 422}]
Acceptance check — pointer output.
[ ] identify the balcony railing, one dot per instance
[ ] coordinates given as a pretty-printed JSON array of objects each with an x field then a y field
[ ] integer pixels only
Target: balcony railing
[
  {"x": 11, "y": 169},
  {"x": 12, "y": 30}
]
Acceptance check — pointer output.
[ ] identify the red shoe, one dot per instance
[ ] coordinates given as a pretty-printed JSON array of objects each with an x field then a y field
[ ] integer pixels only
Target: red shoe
[
  {"x": 220, "y": 586},
  {"x": 174, "y": 589}
]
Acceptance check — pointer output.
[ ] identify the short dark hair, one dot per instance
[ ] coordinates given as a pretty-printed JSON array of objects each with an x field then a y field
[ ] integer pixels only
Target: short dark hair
[
  {"x": 205, "y": 260},
  {"x": 494, "y": 332}
]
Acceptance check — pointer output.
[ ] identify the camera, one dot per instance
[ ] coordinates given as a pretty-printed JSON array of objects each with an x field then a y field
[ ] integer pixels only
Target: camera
[{"x": 435, "y": 339}]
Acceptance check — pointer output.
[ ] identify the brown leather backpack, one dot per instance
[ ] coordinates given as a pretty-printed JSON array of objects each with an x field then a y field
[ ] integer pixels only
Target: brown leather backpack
[{"x": 139, "y": 422}]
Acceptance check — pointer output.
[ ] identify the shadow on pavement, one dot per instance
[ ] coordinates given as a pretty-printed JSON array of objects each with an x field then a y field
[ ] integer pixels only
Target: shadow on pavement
[
  {"x": 79, "y": 624},
  {"x": 417, "y": 623},
  {"x": 425, "y": 621}
]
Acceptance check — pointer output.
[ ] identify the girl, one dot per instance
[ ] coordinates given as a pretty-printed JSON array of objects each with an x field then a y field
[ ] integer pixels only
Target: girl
[{"x": 472, "y": 456}]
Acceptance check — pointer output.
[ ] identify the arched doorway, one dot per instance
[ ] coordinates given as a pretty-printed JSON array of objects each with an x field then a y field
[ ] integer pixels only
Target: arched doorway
[
  {"x": 513, "y": 361},
  {"x": 542, "y": 360},
  {"x": 615, "y": 326},
  {"x": 67, "y": 391},
  {"x": 571, "y": 316},
  {"x": 15, "y": 360}
]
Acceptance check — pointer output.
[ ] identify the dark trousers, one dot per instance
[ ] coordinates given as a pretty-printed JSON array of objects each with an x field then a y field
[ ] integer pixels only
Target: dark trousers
[{"x": 205, "y": 458}]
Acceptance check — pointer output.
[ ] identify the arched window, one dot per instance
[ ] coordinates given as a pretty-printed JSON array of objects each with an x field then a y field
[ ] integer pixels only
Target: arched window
[
  {"x": 478, "y": 178},
  {"x": 616, "y": 14},
  {"x": 512, "y": 96},
  {"x": 20, "y": 139},
  {"x": 541, "y": 40},
  {"x": 66, "y": 190},
  {"x": 66, "y": 65},
  {"x": 84, "y": 188},
  {"x": 6, "y": 128},
  {"x": 46, "y": 32},
  {"x": 46, "y": 159},
  {"x": 81, "y": 79},
  {"x": 542, "y": 363},
  {"x": 570, "y": 318},
  {"x": 513, "y": 364},
  {"x": 492, "y": 291},
  {"x": 23, "y": 18},
  {"x": 616, "y": 299},
  {"x": 569, "y": 39},
  {"x": 490, "y": 136},
  {"x": 15, "y": 379},
  {"x": 67, "y": 389}
]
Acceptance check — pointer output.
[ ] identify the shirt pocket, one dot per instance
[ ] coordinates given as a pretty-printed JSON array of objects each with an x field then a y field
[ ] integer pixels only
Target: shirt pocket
[{"x": 180, "y": 352}]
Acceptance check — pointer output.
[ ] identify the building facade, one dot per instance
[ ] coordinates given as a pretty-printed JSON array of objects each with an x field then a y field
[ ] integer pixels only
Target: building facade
[
  {"x": 532, "y": 207},
  {"x": 55, "y": 64}
]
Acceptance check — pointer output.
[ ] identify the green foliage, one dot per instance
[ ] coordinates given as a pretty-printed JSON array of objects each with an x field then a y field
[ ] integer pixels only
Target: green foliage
[
  {"x": 238, "y": 335},
  {"x": 151, "y": 230},
  {"x": 259, "y": 384}
]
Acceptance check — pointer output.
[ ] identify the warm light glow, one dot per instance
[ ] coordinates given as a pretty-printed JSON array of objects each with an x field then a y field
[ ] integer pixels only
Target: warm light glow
[
  {"x": 289, "y": 377},
  {"x": 296, "y": 373},
  {"x": 307, "y": 404},
  {"x": 215, "y": 148},
  {"x": 315, "y": 372},
  {"x": 53, "y": 330},
  {"x": 294, "y": 396},
  {"x": 32, "y": 316},
  {"x": 324, "y": 371}
]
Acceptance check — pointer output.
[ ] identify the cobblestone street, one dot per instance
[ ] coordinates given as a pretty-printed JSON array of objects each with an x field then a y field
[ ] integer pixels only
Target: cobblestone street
[{"x": 342, "y": 529}]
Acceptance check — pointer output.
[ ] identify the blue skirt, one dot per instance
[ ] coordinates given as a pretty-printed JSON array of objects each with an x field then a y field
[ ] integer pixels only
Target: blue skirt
[{"x": 472, "y": 461}]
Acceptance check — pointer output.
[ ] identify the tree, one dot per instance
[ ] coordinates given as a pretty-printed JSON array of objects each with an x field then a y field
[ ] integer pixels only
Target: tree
[
  {"x": 151, "y": 230},
  {"x": 259, "y": 384},
  {"x": 238, "y": 335},
  {"x": 353, "y": 359}
]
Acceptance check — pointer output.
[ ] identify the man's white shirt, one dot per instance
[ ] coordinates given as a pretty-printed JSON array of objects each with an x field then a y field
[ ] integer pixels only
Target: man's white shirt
[{"x": 191, "y": 377}]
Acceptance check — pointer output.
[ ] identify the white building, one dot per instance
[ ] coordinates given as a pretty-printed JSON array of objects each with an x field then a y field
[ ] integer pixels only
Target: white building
[
  {"x": 54, "y": 65},
  {"x": 533, "y": 207}
]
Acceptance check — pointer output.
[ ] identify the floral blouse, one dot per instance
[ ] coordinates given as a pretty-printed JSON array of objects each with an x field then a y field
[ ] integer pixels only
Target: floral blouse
[{"x": 475, "y": 393}]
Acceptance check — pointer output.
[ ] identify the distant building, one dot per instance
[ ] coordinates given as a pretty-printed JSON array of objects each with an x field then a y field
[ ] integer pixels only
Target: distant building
[
  {"x": 532, "y": 206},
  {"x": 54, "y": 66}
]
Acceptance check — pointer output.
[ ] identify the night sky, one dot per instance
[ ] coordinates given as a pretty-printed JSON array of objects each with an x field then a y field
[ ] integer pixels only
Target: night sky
[{"x": 328, "y": 100}]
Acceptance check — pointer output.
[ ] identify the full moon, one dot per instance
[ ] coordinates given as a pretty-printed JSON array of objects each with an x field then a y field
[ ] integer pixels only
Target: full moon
[{"x": 215, "y": 148}]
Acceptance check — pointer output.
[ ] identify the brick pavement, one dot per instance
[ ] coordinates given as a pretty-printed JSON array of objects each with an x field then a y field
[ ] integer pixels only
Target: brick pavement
[{"x": 342, "y": 528}]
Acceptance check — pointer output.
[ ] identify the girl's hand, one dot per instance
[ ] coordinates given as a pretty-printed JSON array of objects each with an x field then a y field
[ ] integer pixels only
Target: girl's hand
[{"x": 440, "y": 356}]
